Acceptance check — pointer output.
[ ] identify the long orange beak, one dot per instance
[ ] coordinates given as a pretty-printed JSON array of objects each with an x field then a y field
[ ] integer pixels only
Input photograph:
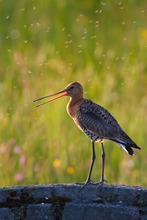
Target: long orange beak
[{"x": 63, "y": 93}]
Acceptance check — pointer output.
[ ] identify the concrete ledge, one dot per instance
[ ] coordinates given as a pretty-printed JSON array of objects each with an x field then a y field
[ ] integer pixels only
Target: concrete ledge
[{"x": 69, "y": 202}]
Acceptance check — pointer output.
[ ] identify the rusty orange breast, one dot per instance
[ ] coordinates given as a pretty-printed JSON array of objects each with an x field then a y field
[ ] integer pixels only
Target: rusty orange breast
[{"x": 73, "y": 106}]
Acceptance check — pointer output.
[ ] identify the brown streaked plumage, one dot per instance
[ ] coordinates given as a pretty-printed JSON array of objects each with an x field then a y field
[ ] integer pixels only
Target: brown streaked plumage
[{"x": 95, "y": 121}]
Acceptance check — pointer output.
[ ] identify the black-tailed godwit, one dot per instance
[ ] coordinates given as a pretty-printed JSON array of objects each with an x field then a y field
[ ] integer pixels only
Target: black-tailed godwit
[{"x": 95, "y": 121}]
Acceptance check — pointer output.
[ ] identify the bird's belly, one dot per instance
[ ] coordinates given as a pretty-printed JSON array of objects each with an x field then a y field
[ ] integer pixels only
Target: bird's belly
[{"x": 90, "y": 134}]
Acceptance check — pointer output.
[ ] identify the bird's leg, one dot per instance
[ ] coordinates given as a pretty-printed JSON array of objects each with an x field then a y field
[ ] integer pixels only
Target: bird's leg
[
  {"x": 89, "y": 181},
  {"x": 102, "y": 180}
]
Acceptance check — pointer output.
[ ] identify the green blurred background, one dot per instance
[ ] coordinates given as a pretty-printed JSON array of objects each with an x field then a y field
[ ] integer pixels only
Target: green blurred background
[{"x": 44, "y": 45}]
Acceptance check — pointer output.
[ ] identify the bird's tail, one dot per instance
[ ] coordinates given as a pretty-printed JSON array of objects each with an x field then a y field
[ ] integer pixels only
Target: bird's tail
[
  {"x": 128, "y": 148},
  {"x": 127, "y": 143}
]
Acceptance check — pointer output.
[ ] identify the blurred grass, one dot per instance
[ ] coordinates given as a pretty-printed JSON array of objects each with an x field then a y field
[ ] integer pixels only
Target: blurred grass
[{"x": 44, "y": 45}]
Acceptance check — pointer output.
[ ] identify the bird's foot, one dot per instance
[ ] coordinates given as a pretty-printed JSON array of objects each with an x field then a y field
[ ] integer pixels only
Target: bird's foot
[
  {"x": 101, "y": 182},
  {"x": 88, "y": 182}
]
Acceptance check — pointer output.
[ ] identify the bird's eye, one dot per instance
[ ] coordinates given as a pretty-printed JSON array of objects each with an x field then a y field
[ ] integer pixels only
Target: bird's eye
[{"x": 72, "y": 87}]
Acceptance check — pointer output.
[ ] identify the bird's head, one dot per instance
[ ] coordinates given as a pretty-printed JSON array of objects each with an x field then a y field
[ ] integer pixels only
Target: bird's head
[{"x": 74, "y": 90}]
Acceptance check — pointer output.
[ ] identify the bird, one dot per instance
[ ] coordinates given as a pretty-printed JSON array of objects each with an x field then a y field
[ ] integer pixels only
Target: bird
[{"x": 96, "y": 122}]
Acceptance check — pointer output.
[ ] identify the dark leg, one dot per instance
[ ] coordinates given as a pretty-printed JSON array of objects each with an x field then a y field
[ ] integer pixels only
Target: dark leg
[
  {"x": 103, "y": 162},
  {"x": 88, "y": 181},
  {"x": 102, "y": 180}
]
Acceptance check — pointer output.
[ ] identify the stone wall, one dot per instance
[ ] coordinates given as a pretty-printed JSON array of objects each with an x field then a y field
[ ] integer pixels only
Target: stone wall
[{"x": 68, "y": 201}]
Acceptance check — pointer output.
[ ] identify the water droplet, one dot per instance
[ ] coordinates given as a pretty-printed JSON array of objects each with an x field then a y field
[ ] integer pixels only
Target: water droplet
[
  {"x": 29, "y": 71},
  {"x": 123, "y": 23},
  {"x": 119, "y": 3},
  {"x": 103, "y": 3}
]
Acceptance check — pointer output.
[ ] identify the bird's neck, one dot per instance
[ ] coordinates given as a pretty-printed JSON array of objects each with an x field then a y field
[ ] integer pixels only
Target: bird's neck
[{"x": 73, "y": 104}]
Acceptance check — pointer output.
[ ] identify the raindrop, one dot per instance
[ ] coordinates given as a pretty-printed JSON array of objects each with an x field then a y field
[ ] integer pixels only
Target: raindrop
[
  {"x": 29, "y": 71},
  {"x": 93, "y": 37},
  {"x": 48, "y": 30},
  {"x": 7, "y": 17},
  {"x": 103, "y": 3},
  {"x": 119, "y": 3},
  {"x": 25, "y": 41},
  {"x": 70, "y": 64},
  {"x": 38, "y": 24}
]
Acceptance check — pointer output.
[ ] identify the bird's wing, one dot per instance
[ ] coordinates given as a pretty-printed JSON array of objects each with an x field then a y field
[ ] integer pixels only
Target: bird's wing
[
  {"x": 104, "y": 128},
  {"x": 100, "y": 122}
]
